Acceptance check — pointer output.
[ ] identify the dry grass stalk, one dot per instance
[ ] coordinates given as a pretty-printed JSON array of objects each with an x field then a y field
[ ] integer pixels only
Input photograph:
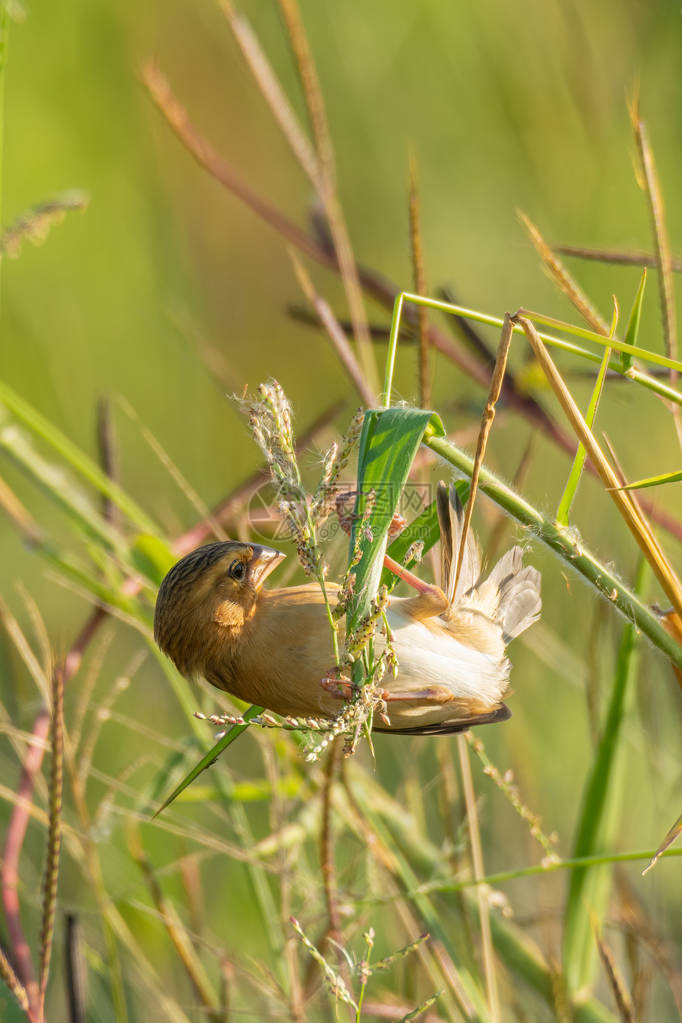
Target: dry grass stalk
[
  {"x": 14, "y": 509},
  {"x": 10, "y": 978},
  {"x": 202, "y": 151},
  {"x": 53, "y": 834},
  {"x": 662, "y": 249},
  {"x": 499, "y": 530},
  {"x": 334, "y": 331},
  {"x": 564, "y": 279},
  {"x": 272, "y": 92},
  {"x": 616, "y": 256},
  {"x": 328, "y": 193},
  {"x": 636, "y": 524},
  {"x": 319, "y": 164},
  {"x": 560, "y": 999},
  {"x": 176, "y": 930},
  {"x": 615, "y": 979},
  {"x": 660, "y": 233},
  {"x": 486, "y": 424},
  {"x": 36, "y": 223},
  {"x": 23, "y": 647},
  {"x": 14, "y": 841},
  {"x": 39, "y": 629},
  {"x": 482, "y": 890}
]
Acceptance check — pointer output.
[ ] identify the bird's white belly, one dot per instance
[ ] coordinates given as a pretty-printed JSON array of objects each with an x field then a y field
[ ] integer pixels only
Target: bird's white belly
[{"x": 432, "y": 657}]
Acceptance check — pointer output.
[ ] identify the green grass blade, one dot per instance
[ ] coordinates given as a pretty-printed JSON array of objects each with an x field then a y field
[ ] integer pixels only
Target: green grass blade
[
  {"x": 589, "y": 887},
  {"x": 256, "y": 791},
  {"x": 210, "y": 757},
  {"x": 152, "y": 557},
  {"x": 59, "y": 486},
  {"x": 76, "y": 571},
  {"x": 523, "y": 958},
  {"x": 389, "y": 441},
  {"x": 579, "y": 461},
  {"x": 516, "y": 950},
  {"x": 633, "y": 323},
  {"x": 71, "y": 454},
  {"x": 654, "y": 481}
]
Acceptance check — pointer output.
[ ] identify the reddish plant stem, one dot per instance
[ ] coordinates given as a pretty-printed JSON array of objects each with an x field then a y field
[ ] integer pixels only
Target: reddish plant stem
[
  {"x": 21, "y": 953},
  {"x": 18, "y": 824}
]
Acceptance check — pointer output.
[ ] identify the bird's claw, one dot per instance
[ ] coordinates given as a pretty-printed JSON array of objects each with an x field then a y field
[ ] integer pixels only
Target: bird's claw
[{"x": 337, "y": 685}]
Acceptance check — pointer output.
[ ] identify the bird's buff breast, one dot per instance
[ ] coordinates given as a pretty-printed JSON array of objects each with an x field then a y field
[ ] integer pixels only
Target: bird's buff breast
[{"x": 286, "y": 651}]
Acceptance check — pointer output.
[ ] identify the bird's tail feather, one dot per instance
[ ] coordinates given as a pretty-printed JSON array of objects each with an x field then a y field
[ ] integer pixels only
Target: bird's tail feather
[
  {"x": 510, "y": 594},
  {"x": 450, "y": 518},
  {"x": 519, "y": 602}
]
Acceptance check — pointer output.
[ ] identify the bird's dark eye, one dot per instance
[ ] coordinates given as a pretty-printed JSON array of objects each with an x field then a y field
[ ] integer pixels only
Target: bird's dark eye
[{"x": 238, "y": 570}]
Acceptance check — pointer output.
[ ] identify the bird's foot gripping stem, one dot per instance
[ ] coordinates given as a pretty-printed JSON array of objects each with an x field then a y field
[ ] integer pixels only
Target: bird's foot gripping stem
[{"x": 430, "y": 600}]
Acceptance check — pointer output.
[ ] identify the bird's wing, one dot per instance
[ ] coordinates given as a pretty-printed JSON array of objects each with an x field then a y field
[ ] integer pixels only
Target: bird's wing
[{"x": 500, "y": 713}]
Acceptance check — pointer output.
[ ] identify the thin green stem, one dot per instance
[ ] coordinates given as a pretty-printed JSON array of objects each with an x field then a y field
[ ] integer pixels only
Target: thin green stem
[
  {"x": 567, "y": 545},
  {"x": 597, "y": 828},
  {"x": 393, "y": 344},
  {"x": 578, "y": 863},
  {"x": 330, "y": 618},
  {"x": 571, "y": 488},
  {"x": 602, "y": 340},
  {"x": 651, "y": 383}
]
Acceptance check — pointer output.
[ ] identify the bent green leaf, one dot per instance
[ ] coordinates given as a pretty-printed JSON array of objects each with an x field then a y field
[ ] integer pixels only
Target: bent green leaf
[
  {"x": 633, "y": 323},
  {"x": 389, "y": 441},
  {"x": 210, "y": 757},
  {"x": 589, "y": 887},
  {"x": 654, "y": 481}
]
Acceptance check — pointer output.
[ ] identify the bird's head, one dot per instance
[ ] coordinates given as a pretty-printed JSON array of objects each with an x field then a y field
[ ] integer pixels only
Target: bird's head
[{"x": 208, "y": 596}]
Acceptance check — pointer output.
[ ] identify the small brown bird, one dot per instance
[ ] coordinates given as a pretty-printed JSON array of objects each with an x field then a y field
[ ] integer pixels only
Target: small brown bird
[{"x": 272, "y": 647}]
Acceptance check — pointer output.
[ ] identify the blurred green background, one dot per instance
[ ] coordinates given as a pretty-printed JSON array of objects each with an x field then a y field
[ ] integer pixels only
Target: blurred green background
[{"x": 505, "y": 107}]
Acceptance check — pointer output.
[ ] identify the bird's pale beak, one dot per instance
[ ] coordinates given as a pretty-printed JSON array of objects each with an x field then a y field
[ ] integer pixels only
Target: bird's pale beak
[{"x": 263, "y": 562}]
